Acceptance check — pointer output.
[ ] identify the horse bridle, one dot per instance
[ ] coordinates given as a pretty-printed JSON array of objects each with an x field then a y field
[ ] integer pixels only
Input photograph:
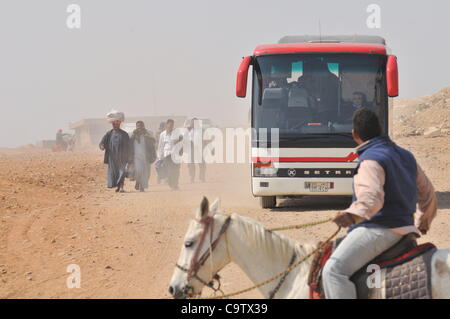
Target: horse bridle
[{"x": 196, "y": 262}]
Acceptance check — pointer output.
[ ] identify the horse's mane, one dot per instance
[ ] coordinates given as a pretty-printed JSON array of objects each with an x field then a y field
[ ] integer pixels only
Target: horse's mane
[{"x": 276, "y": 244}]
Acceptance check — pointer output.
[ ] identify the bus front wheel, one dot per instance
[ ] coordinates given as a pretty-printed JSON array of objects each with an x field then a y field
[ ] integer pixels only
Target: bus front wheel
[{"x": 268, "y": 201}]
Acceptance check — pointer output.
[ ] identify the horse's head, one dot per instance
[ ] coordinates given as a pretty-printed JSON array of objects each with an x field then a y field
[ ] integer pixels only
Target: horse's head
[{"x": 203, "y": 254}]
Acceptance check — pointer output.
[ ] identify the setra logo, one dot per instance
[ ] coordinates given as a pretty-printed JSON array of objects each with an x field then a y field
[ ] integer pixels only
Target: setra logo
[{"x": 292, "y": 172}]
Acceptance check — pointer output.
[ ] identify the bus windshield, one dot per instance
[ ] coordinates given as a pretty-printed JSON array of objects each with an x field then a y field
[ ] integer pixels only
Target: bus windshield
[{"x": 316, "y": 94}]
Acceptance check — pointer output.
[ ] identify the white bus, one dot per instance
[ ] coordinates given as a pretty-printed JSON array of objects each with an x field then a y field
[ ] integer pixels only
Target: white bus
[{"x": 308, "y": 89}]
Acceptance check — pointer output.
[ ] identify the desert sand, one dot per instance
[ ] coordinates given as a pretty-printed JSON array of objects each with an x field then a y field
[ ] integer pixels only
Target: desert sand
[{"x": 55, "y": 211}]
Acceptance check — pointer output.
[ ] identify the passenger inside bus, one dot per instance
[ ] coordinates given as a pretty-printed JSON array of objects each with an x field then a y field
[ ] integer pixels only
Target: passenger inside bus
[
  {"x": 358, "y": 101},
  {"x": 278, "y": 82}
]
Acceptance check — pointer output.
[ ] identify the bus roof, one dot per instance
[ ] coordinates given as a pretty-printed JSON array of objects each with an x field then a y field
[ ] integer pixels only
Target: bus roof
[
  {"x": 325, "y": 44},
  {"x": 320, "y": 48},
  {"x": 333, "y": 38}
]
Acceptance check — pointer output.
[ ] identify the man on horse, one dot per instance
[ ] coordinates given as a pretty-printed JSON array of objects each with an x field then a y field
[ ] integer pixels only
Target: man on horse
[{"x": 387, "y": 184}]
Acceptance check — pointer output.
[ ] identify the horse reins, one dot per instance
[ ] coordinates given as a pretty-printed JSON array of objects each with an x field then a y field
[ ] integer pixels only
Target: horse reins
[{"x": 282, "y": 279}]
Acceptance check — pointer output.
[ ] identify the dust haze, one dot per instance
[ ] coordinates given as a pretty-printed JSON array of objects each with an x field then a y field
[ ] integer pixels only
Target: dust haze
[
  {"x": 156, "y": 59},
  {"x": 150, "y": 58}
]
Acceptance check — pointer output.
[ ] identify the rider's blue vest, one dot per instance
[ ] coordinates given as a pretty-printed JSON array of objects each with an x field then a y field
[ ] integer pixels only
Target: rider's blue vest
[{"x": 400, "y": 188}]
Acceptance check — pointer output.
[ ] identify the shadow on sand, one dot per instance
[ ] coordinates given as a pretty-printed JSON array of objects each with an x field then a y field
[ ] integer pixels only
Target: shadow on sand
[
  {"x": 443, "y": 200},
  {"x": 313, "y": 203},
  {"x": 317, "y": 203}
]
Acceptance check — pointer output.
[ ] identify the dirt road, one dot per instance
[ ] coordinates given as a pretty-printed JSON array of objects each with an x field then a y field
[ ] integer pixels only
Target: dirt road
[{"x": 55, "y": 211}]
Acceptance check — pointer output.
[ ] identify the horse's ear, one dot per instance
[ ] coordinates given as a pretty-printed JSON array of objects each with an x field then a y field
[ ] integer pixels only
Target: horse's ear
[
  {"x": 215, "y": 206},
  {"x": 204, "y": 208}
]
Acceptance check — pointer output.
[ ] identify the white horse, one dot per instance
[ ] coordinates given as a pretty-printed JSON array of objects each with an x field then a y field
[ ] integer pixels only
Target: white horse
[{"x": 214, "y": 239}]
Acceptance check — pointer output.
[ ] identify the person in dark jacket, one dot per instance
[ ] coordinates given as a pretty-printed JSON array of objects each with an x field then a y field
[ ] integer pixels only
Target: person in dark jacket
[
  {"x": 143, "y": 153},
  {"x": 61, "y": 144},
  {"x": 115, "y": 143},
  {"x": 387, "y": 185}
]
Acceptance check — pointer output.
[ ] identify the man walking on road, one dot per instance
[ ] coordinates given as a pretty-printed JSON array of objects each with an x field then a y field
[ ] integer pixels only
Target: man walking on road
[
  {"x": 162, "y": 127},
  {"x": 167, "y": 142},
  {"x": 143, "y": 154},
  {"x": 194, "y": 136},
  {"x": 116, "y": 146}
]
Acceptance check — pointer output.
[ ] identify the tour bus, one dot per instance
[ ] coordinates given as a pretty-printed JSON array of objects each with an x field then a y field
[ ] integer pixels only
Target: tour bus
[{"x": 306, "y": 89}]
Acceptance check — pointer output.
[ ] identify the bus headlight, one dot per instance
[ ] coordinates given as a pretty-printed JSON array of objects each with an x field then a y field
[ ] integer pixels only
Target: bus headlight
[{"x": 265, "y": 171}]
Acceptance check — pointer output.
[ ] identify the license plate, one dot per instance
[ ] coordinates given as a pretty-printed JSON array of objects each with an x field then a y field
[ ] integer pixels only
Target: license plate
[{"x": 318, "y": 187}]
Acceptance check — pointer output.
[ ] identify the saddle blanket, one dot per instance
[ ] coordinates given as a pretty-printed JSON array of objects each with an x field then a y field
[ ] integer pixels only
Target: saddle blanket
[{"x": 407, "y": 276}]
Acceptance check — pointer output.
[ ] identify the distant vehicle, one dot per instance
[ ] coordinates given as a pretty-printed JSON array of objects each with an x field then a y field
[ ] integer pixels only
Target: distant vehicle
[{"x": 303, "y": 86}]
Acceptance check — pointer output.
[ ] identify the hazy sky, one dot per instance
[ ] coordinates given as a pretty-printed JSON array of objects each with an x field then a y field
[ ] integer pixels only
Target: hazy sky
[{"x": 180, "y": 57}]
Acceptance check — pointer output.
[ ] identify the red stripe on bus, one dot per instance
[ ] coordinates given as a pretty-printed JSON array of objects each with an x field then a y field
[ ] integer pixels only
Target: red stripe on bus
[{"x": 349, "y": 158}]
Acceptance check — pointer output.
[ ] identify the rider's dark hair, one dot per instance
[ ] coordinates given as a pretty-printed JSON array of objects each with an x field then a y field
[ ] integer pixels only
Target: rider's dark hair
[
  {"x": 366, "y": 124},
  {"x": 170, "y": 121}
]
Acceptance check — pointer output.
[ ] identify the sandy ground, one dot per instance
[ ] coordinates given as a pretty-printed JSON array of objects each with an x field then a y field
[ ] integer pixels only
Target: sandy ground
[{"x": 55, "y": 211}]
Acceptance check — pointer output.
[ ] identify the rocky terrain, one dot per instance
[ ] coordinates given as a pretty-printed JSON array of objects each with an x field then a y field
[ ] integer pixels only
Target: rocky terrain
[{"x": 424, "y": 116}]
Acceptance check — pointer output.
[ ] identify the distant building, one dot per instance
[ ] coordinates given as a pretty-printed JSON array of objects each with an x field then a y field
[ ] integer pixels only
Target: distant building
[{"x": 89, "y": 132}]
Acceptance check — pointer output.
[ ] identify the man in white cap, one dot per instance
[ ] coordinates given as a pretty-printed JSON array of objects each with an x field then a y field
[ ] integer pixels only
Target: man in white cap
[{"x": 115, "y": 143}]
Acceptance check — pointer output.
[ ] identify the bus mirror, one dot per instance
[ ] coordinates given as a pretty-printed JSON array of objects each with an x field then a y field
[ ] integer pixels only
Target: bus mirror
[
  {"x": 392, "y": 76},
  {"x": 242, "y": 75}
]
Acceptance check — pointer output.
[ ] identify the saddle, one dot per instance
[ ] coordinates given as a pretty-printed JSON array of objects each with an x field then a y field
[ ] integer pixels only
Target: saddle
[{"x": 405, "y": 271}]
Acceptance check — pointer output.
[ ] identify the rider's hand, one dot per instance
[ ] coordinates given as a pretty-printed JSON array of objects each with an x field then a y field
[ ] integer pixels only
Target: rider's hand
[
  {"x": 423, "y": 230},
  {"x": 343, "y": 219},
  {"x": 423, "y": 226},
  {"x": 102, "y": 147}
]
